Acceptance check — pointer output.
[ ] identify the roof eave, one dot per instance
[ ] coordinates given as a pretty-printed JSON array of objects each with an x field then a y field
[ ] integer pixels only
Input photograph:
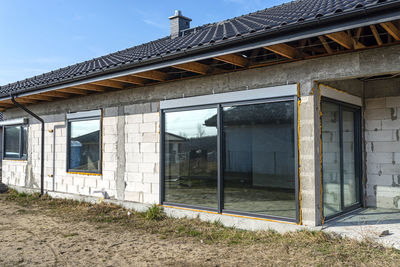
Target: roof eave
[{"x": 376, "y": 14}]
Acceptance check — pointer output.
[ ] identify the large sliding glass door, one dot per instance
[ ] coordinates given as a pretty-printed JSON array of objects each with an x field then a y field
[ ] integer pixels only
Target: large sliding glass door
[
  {"x": 341, "y": 152},
  {"x": 238, "y": 157},
  {"x": 259, "y": 176}
]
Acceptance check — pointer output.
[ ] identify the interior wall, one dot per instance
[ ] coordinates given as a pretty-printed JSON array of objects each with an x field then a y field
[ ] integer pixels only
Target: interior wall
[
  {"x": 382, "y": 143},
  {"x": 381, "y": 136}
]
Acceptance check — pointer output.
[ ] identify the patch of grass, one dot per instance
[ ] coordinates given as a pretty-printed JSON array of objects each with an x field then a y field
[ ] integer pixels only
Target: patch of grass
[
  {"x": 155, "y": 213},
  {"x": 311, "y": 247}
]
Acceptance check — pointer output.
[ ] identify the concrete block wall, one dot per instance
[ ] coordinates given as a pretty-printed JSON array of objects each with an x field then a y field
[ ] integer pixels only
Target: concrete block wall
[
  {"x": 382, "y": 142},
  {"x": 139, "y": 156},
  {"x": 14, "y": 171},
  {"x": 142, "y": 157}
]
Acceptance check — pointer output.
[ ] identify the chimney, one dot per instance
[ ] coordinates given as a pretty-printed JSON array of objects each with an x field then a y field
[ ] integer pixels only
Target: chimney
[{"x": 178, "y": 24}]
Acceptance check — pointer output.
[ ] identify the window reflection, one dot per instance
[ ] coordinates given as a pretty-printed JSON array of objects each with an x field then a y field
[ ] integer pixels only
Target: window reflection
[
  {"x": 11, "y": 142},
  {"x": 191, "y": 158},
  {"x": 259, "y": 172},
  {"x": 84, "y": 146}
]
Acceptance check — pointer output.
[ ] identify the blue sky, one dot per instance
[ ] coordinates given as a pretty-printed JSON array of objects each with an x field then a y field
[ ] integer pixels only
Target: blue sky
[{"x": 43, "y": 35}]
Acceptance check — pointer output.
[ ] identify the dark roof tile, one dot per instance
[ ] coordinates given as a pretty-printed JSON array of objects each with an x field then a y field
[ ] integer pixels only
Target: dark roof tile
[{"x": 270, "y": 18}]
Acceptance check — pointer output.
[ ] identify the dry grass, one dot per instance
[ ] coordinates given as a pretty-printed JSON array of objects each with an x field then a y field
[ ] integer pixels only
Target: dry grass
[{"x": 312, "y": 248}]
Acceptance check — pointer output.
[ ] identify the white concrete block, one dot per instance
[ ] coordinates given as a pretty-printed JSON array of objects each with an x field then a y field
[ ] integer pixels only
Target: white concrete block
[
  {"x": 151, "y": 157},
  {"x": 147, "y": 148},
  {"x": 151, "y": 137},
  {"x": 376, "y": 136},
  {"x": 147, "y": 168},
  {"x": 152, "y": 178},
  {"x": 151, "y": 117},
  {"x": 90, "y": 182},
  {"x": 149, "y": 127},
  {"x": 377, "y": 114},
  {"x": 391, "y": 124},
  {"x": 392, "y": 102},
  {"x": 375, "y": 103}
]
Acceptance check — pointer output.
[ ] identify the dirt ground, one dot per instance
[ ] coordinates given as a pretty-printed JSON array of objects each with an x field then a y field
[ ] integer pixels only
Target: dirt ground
[
  {"x": 28, "y": 237},
  {"x": 49, "y": 232}
]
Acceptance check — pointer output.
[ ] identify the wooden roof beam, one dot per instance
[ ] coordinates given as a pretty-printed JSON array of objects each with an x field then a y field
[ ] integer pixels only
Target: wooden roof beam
[
  {"x": 195, "y": 67},
  {"x": 345, "y": 40},
  {"x": 90, "y": 87},
  {"x": 39, "y": 97},
  {"x": 325, "y": 44},
  {"x": 130, "y": 79},
  {"x": 24, "y": 101},
  {"x": 376, "y": 34},
  {"x": 234, "y": 60},
  {"x": 152, "y": 75},
  {"x": 6, "y": 105},
  {"x": 391, "y": 29},
  {"x": 56, "y": 94},
  {"x": 112, "y": 84},
  {"x": 73, "y": 91},
  {"x": 284, "y": 50}
]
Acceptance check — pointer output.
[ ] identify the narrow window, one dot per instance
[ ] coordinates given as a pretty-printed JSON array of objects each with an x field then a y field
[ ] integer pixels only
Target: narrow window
[
  {"x": 84, "y": 145},
  {"x": 15, "y": 139}
]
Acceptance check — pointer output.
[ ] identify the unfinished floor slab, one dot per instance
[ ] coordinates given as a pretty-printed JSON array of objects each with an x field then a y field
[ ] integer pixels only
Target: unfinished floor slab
[{"x": 369, "y": 224}]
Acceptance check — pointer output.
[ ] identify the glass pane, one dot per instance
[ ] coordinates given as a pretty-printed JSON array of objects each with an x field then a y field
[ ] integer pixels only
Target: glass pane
[
  {"x": 349, "y": 172},
  {"x": 84, "y": 146},
  {"x": 259, "y": 166},
  {"x": 11, "y": 142},
  {"x": 24, "y": 140},
  {"x": 191, "y": 157},
  {"x": 331, "y": 158}
]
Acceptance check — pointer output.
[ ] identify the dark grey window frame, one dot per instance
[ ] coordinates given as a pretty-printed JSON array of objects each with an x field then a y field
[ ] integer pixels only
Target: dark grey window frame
[
  {"x": 85, "y": 116},
  {"x": 220, "y": 159},
  {"x": 21, "y": 140},
  {"x": 358, "y": 156}
]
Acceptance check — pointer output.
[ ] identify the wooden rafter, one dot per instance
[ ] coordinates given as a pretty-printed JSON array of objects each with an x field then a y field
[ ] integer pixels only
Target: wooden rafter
[
  {"x": 391, "y": 29},
  {"x": 73, "y": 91},
  {"x": 23, "y": 101},
  {"x": 56, "y": 94},
  {"x": 130, "y": 79},
  {"x": 194, "y": 67},
  {"x": 376, "y": 34},
  {"x": 6, "y": 105},
  {"x": 325, "y": 44},
  {"x": 345, "y": 40},
  {"x": 112, "y": 84},
  {"x": 234, "y": 60},
  {"x": 39, "y": 97},
  {"x": 152, "y": 75},
  {"x": 91, "y": 87},
  {"x": 284, "y": 50}
]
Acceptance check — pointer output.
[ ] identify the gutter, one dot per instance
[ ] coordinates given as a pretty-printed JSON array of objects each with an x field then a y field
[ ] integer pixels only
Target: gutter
[
  {"x": 42, "y": 141},
  {"x": 334, "y": 23}
]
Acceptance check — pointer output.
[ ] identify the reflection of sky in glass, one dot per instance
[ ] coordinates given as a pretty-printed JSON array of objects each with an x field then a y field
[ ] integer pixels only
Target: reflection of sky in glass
[
  {"x": 79, "y": 128},
  {"x": 190, "y": 123}
]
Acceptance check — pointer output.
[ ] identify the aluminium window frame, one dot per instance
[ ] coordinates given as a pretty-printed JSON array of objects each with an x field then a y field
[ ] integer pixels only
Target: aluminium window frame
[
  {"x": 20, "y": 141},
  {"x": 84, "y": 116},
  {"x": 220, "y": 155},
  {"x": 358, "y": 156}
]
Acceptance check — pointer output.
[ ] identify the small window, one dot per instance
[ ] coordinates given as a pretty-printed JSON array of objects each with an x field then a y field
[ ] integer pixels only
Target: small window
[
  {"x": 15, "y": 139},
  {"x": 84, "y": 144}
]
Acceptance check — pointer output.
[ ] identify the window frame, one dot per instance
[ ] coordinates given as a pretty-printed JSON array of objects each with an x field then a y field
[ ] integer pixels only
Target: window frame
[
  {"x": 220, "y": 159},
  {"x": 84, "y": 116},
  {"x": 22, "y": 156},
  {"x": 358, "y": 160}
]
